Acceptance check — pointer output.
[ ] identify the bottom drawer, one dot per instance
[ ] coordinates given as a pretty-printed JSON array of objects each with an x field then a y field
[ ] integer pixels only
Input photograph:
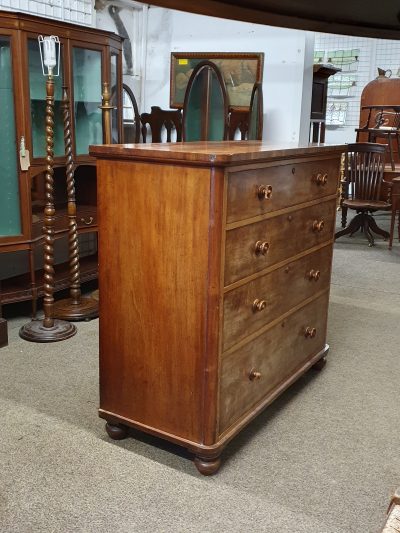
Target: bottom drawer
[{"x": 251, "y": 372}]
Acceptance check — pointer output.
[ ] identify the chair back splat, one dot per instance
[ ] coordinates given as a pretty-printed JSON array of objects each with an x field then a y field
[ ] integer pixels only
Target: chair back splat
[{"x": 364, "y": 168}]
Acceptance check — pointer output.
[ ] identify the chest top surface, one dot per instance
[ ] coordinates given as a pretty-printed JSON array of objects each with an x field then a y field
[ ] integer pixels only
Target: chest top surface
[{"x": 213, "y": 153}]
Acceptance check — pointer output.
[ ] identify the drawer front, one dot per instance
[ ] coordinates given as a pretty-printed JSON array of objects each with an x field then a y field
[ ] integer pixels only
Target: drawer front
[
  {"x": 251, "y": 306},
  {"x": 254, "y": 247},
  {"x": 255, "y": 370},
  {"x": 259, "y": 191}
]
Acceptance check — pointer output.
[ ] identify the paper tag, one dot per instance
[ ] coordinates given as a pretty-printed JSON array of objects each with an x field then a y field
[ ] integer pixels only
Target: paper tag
[
  {"x": 183, "y": 61},
  {"x": 24, "y": 160}
]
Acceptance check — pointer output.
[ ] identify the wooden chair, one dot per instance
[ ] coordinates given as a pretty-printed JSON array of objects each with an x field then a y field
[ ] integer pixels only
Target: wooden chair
[
  {"x": 383, "y": 123},
  {"x": 395, "y": 210},
  {"x": 363, "y": 176},
  {"x": 159, "y": 119},
  {"x": 238, "y": 121}
]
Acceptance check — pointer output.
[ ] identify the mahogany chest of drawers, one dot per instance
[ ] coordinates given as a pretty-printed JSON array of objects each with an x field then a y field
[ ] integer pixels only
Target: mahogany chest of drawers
[{"x": 214, "y": 271}]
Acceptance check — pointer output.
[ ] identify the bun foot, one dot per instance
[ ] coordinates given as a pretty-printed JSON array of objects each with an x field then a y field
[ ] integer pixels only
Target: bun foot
[
  {"x": 207, "y": 466},
  {"x": 116, "y": 431},
  {"x": 319, "y": 365}
]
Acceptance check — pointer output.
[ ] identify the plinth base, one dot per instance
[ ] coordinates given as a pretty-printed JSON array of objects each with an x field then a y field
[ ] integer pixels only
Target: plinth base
[
  {"x": 85, "y": 309},
  {"x": 35, "y": 331}
]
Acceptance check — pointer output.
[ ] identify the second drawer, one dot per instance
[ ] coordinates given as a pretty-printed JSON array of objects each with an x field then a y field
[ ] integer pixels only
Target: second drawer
[
  {"x": 254, "y": 247},
  {"x": 258, "y": 302}
]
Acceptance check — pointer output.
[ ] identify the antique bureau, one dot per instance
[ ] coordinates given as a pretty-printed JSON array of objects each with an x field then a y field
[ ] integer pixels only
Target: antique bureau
[{"x": 215, "y": 263}]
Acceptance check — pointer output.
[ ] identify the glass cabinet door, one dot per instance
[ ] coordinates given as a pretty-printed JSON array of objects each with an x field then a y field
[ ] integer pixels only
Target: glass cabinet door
[
  {"x": 37, "y": 90},
  {"x": 87, "y": 98},
  {"x": 10, "y": 215}
]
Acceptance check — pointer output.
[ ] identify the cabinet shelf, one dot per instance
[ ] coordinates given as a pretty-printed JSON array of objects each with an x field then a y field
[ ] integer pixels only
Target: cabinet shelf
[{"x": 17, "y": 289}]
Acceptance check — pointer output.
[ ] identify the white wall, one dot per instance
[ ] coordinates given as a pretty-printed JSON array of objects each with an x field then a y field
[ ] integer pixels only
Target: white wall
[{"x": 287, "y": 64}]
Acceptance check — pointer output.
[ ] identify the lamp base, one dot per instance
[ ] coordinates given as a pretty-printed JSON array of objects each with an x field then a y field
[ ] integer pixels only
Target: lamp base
[
  {"x": 84, "y": 309},
  {"x": 35, "y": 331}
]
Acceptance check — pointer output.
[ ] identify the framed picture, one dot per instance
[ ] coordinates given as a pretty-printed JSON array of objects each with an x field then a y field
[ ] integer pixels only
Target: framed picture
[{"x": 239, "y": 70}]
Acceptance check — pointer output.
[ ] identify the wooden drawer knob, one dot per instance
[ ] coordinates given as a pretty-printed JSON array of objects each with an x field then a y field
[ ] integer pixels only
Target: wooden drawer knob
[
  {"x": 318, "y": 225},
  {"x": 261, "y": 247},
  {"x": 264, "y": 192},
  {"x": 321, "y": 179},
  {"x": 259, "y": 305},
  {"x": 254, "y": 375},
  {"x": 310, "y": 332},
  {"x": 314, "y": 275}
]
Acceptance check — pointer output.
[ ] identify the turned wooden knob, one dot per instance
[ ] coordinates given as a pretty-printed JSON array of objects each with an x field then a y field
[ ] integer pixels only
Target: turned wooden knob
[
  {"x": 261, "y": 247},
  {"x": 314, "y": 275},
  {"x": 318, "y": 225},
  {"x": 310, "y": 332},
  {"x": 321, "y": 179},
  {"x": 264, "y": 192},
  {"x": 259, "y": 305},
  {"x": 254, "y": 375}
]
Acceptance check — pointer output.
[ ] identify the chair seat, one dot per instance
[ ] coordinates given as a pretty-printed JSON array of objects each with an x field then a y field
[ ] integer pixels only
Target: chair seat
[{"x": 367, "y": 204}]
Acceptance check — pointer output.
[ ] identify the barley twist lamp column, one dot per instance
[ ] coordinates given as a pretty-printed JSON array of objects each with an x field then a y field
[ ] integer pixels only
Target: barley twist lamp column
[
  {"x": 75, "y": 307},
  {"x": 106, "y": 109},
  {"x": 48, "y": 329}
]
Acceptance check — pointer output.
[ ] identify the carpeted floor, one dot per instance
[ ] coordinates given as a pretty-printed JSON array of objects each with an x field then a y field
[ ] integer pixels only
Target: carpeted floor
[{"x": 323, "y": 458}]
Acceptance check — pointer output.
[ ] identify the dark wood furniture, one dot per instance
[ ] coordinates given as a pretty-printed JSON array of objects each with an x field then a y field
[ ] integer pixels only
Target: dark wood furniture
[
  {"x": 130, "y": 116},
  {"x": 364, "y": 166},
  {"x": 205, "y": 108},
  {"x": 395, "y": 199},
  {"x": 3, "y": 327},
  {"x": 238, "y": 121},
  {"x": 383, "y": 122},
  {"x": 256, "y": 114},
  {"x": 88, "y": 58},
  {"x": 321, "y": 74},
  {"x": 380, "y": 94},
  {"x": 221, "y": 297},
  {"x": 160, "y": 119}
]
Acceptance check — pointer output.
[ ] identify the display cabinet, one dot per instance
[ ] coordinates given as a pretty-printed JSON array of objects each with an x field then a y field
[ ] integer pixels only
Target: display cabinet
[{"x": 89, "y": 57}]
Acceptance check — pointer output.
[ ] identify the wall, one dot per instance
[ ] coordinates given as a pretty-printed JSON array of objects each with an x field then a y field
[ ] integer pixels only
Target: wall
[
  {"x": 372, "y": 53},
  {"x": 287, "y": 64}
]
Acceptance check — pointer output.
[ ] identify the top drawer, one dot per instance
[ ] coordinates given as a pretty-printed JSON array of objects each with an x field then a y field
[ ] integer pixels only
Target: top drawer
[{"x": 262, "y": 190}]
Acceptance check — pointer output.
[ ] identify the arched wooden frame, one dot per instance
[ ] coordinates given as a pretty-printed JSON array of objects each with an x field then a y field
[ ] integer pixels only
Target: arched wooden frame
[
  {"x": 206, "y": 99},
  {"x": 258, "y": 112},
  {"x": 137, "y": 123}
]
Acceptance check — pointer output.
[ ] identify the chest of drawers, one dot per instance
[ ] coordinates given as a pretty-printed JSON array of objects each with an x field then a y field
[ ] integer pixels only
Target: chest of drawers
[{"x": 214, "y": 272}]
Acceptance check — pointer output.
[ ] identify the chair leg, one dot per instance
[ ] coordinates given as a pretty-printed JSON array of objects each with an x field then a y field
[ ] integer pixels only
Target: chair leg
[
  {"x": 391, "y": 151},
  {"x": 354, "y": 225},
  {"x": 344, "y": 216},
  {"x": 368, "y": 234},
  {"x": 392, "y": 221},
  {"x": 375, "y": 228}
]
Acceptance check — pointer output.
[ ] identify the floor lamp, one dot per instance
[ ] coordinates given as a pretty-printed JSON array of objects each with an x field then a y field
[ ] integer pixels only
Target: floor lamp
[
  {"x": 49, "y": 329},
  {"x": 75, "y": 307}
]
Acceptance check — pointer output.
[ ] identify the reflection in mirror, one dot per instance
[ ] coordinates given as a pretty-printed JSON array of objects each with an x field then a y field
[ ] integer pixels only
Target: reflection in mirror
[{"x": 205, "y": 109}]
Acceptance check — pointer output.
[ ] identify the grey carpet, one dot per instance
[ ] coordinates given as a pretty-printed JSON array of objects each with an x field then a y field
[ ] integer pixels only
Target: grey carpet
[{"x": 324, "y": 458}]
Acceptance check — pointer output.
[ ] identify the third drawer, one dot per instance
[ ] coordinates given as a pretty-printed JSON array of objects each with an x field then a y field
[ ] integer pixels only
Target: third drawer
[{"x": 249, "y": 307}]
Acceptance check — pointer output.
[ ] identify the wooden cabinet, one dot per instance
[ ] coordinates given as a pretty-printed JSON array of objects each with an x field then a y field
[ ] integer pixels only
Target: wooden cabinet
[
  {"x": 88, "y": 58},
  {"x": 215, "y": 264}
]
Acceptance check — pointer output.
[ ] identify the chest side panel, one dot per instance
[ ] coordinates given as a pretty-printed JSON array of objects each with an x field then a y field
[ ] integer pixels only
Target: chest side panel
[{"x": 153, "y": 254}]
